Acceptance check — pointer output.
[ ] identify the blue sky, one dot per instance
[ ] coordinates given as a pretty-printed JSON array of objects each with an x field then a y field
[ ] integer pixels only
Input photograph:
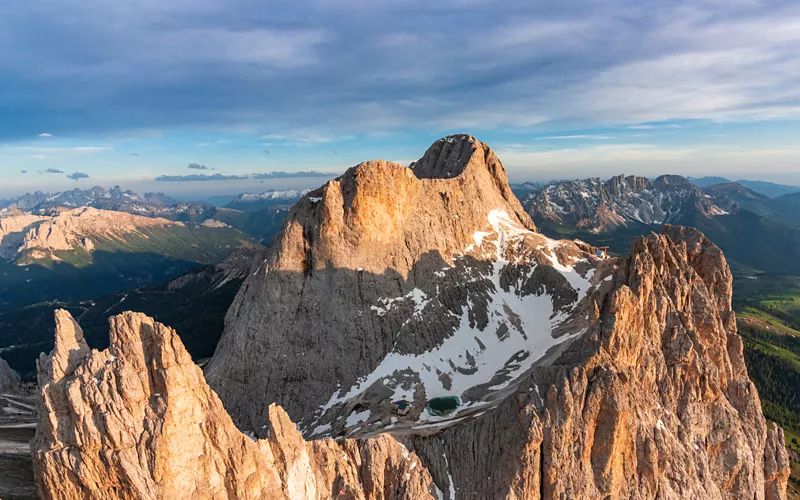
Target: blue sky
[{"x": 127, "y": 91}]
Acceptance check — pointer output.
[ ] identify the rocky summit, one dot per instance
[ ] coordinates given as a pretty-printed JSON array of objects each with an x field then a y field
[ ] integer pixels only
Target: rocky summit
[{"x": 415, "y": 315}]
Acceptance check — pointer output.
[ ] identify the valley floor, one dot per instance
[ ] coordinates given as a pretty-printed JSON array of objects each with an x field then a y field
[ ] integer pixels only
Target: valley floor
[
  {"x": 17, "y": 427},
  {"x": 768, "y": 309}
]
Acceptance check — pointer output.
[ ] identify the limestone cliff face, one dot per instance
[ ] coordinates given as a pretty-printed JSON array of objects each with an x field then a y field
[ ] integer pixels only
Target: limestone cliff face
[{"x": 138, "y": 421}]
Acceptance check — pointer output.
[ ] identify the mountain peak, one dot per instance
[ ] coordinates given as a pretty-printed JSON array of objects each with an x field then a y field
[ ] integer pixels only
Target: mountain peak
[
  {"x": 451, "y": 156},
  {"x": 380, "y": 214},
  {"x": 620, "y": 201},
  {"x": 447, "y": 157}
]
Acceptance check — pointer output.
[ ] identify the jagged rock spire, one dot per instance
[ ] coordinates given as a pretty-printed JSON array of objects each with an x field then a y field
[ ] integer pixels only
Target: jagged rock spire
[{"x": 137, "y": 420}]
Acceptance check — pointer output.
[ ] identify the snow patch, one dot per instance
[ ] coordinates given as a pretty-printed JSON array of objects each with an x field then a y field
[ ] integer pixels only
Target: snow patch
[{"x": 357, "y": 418}]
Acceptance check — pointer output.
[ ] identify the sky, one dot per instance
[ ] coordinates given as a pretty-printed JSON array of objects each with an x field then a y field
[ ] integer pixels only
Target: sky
[{"x": 101, "y": 93}]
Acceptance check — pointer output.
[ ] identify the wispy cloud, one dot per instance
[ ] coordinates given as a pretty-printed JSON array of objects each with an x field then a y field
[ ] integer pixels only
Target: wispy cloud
[
  {"x": 295, "y": 138},
  {"x": 45, "y": 134},
  {"x": 653, "y": 127},
  {"x": 76, "y": 176},
  {"x": 53, "y": 171},
  {"x": 199, "y": 178},
  {"x": 578, "y": 136},
  {"x": 596, "y": 155},
  {"x": 74, "y": 149},
  {"x": 197, "y": 166},
  {"x": 291, "y": 175},
  {"x": 90, "y": 149}
]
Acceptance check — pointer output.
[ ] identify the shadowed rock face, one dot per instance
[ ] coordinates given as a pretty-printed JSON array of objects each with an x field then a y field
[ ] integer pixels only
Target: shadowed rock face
[
  {"x": 9, "y": 379},
  {"x": 138, "y": 421}
]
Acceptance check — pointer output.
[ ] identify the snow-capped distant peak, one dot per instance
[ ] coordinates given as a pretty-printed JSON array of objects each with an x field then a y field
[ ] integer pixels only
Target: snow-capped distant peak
[{"x": 272, "y": 194}]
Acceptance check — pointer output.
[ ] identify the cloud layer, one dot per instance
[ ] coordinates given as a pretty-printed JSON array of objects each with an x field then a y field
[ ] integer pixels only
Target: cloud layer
[{"x": 304, "y": 65}]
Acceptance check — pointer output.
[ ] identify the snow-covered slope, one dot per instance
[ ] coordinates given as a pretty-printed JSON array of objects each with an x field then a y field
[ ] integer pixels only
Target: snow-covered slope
[
  {"x": 256, "y": 201},
  {"x": 522, "y": 301}
]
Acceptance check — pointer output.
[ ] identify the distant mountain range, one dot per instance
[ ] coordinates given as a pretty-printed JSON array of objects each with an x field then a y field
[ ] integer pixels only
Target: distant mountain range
[
  {"x": 83, "y": 197},
  {"x": 80, "y": 244},
  {"x": 257, "y": 214},
  {"x": 754, "y": 230},
  {"x": 790, "y": 198},
  {"x": 600, "y": 206},
  {"x": 523, "y": 189},
  {"x": 250, "y": 202},
  {"x": 79, "y": 253},
  {"x": 770, "y": 189},
  {"x": 733, "y": 196}
]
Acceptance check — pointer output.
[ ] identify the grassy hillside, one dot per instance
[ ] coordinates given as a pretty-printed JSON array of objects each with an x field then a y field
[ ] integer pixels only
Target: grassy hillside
[
  {"x": 263, "y": 225},
  {"x": 194, "y": 304},
  {"x": 133, "y": 260},
  {"x": 768, "y": 309}
]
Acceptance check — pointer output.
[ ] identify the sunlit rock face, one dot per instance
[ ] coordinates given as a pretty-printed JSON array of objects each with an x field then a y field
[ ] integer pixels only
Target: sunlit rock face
[
  {"x": 38, "y": 236},
  {"x": 396, "y": 283},
  {"x": 137, "y": 420}
]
